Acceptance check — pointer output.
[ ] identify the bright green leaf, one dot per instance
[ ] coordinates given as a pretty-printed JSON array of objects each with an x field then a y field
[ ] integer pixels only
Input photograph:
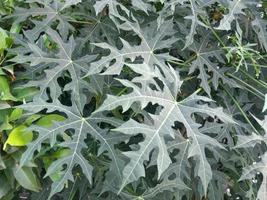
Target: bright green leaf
[
  {"x": 32, "y": 118},
  {"x": 19, "y": 136},
  {"x": 5, "y": 93},
  {"x": 47, "y": 120},
  {"x": 15, "y": 114},
  {"x": 3, "y": 40},
  {"x": 56, "y": 155}
]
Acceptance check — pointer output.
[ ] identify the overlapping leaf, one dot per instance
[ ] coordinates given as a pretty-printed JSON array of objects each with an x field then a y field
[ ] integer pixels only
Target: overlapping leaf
[
  {"x": 259, "y": 26},
  {"x": 166, "y": 144},
  {"x": 236, "y": 7},
  {"x": 50, "y": 12},
  {"x": 250, "y": 171},
  {"x": 151, "y": 43},
  {"x": 161, "y": 129},
  {"x": 208, "y": 59},
  {"x": 80, "y": 127},
  {"x": 52, "y": 65}
]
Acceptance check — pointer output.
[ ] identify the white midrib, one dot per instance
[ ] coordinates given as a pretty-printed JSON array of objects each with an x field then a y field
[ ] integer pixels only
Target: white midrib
[
  {"x": 198, "y": 145},
  {"x": 105, "y": 141},
  {"x": 30, "y": 148},
  {"x": 72, "y": 157},
  {"x": 156, "y": 134}
]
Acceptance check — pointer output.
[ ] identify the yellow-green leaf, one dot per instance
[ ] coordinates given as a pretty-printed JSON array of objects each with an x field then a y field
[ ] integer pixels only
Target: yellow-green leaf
[
  {"x": 5, "y": 93},
  {"x": 15, "y": 28},
  {"x": 3, "y": 40},
  {"x": 15, "y": 114},
  {"x": 32, "y": 118},
  {"x": 19, "y": 136},
  {"x": 56, "y": 155},
  {"x": 47, "y": 120}
]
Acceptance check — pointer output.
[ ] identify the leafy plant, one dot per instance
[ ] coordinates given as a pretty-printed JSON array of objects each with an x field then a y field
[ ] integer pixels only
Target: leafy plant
[{"x": 141, "y": 99}]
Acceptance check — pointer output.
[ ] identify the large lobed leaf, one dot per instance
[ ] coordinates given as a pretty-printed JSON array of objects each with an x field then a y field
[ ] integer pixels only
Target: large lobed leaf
[{"x": 156, "y": 134}]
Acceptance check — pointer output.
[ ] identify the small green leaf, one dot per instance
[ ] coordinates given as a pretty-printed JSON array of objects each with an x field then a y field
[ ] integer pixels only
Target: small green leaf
[
  {"x": 15, "y": 28},
  {"x": 25, "y": 93},
  {"x": 19, "y": 136},
  {"x": 61, "y": 153},
  {"x": 47, "y": 120},
  {"x": 16, "y": 114},
  {"x": 56, "y": 155},
  {"x": 3, "y": 40},
  {"x": 32, "y": 118},
  {"x": 5, "y": 93},
  {"x": 26, "y": 178}
]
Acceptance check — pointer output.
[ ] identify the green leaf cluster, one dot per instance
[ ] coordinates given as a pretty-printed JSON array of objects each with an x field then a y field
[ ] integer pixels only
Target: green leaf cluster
[{"x": 138, "y": 99}]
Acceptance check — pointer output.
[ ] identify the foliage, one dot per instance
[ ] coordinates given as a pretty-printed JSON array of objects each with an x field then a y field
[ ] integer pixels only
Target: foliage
[{"x": 141, "y": 99}]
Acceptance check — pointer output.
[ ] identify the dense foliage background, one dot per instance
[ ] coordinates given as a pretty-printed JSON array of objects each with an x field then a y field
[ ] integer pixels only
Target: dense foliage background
[{"x": 133, "y": 99}]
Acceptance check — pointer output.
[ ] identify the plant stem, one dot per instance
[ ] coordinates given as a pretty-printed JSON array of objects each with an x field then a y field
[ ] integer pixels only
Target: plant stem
[
  {"x": 80, "y": 22},
  {"x": 213, "y": 31},
  {"x": 239, "y": 108},
  {"x": 122, "y": 91},
  {"x": 184, "y": 63},
  {"x": 263, "y": 84},
  {"x": 257, "y": 91}
]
